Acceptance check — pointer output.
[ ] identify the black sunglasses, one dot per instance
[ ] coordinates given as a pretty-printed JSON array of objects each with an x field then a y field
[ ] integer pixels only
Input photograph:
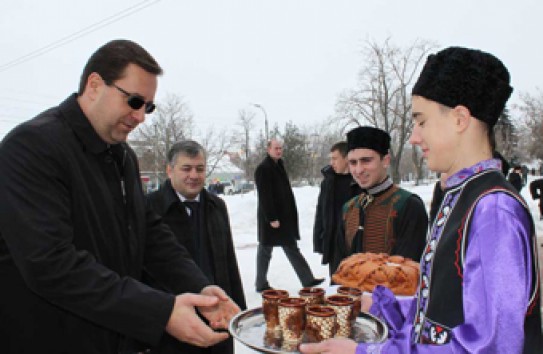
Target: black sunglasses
[{"x": 135, "y": 101}]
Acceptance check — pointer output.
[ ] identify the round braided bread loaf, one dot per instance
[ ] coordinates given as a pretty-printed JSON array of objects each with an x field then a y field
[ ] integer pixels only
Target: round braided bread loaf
[{"x": 366, "y": 270}]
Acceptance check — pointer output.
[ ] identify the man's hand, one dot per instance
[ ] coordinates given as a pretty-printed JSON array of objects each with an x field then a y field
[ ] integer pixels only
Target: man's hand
[
  {"x": 220, "y": 314},
  {"x": 185, "y": 325},
  {"x": 330, "y": 346},
  {"x": 275, "y": 224}
]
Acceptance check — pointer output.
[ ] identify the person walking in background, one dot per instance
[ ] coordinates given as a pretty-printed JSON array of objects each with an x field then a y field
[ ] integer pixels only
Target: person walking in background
[
  {"x": 75, "y": 234},
  {"x": 199, "y": 221},
  {"x": 213, "y": 186},
  {"x": 524, "y": 173},
  {"x": 479, "y": 289},
  {"x": 536, "y": 190},
  {"x": 277, "y": 219},
  {"x": 515, "y": 178},
  {"x": 384, "y": 218},
  {"x": 336, "y": 188}
]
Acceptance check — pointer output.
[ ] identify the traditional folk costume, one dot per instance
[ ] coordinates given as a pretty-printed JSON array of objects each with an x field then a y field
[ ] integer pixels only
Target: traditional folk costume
[
  {"x": 479, "y": 285},
  {"x": 384, "y": 219},
  {"x": 479, "y": 289}
]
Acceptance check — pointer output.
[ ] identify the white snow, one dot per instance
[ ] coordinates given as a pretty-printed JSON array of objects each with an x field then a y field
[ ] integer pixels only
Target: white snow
[{"x": 242, "y": 212}]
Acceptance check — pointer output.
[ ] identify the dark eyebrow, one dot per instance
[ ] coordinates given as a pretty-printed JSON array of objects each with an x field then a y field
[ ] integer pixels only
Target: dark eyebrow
[
  {"x": 361, "y": 159},
  {"x": 416, "y": 115}
]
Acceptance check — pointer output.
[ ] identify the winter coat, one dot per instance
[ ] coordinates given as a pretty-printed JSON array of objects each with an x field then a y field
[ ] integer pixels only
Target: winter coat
[
  {"x": 516, "y": 180},
  {"x": 536, "y": 188},
  {"x": 74, "y": 238},
  {"x": 275, "y": 202},
  {"x": 219, "y": 247},
  {"x": 327, "y": 220}
]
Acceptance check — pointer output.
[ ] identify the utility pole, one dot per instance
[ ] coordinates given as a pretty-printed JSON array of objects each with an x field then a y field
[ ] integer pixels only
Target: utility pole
[{"x": 265, "y": 120}]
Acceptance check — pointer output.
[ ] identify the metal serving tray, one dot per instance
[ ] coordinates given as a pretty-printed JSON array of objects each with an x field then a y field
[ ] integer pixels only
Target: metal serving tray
[{"x": 249, "y": 328}]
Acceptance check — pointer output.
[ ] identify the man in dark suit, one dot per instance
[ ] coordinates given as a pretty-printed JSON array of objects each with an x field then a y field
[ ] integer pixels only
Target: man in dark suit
[
  {"x": 337, "y": 187},
  {"x": 200, "y": 223},
  {"x": 277, "y": 219}
]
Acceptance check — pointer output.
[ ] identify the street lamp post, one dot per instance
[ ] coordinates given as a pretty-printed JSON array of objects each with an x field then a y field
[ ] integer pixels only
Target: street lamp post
[{"x": 265, "y": 119}]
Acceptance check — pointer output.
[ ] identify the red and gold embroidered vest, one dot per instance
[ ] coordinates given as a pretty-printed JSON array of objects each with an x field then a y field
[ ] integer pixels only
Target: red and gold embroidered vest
[{"x": 379, "y": 215}]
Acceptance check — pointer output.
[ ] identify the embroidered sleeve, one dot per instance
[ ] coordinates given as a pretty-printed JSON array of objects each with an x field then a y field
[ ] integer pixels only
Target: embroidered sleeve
[{"x": 496, "y": 285}]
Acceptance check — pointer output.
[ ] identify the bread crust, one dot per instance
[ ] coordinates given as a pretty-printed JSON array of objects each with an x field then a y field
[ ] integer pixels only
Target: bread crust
[{"x": 367, "y": 270}]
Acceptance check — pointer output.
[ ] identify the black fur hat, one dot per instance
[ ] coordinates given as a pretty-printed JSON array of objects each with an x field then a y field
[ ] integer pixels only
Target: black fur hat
[
  {"x": 368, "y": 138},
  {"x": 467, "y": 77}
]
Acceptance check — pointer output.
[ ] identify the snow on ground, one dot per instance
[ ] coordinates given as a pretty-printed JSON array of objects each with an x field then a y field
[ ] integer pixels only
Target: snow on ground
[{"x": 242, "y": 212}]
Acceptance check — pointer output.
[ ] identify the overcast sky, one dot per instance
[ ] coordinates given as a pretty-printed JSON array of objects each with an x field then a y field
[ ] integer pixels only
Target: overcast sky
[{"x": 293, "y": 57}]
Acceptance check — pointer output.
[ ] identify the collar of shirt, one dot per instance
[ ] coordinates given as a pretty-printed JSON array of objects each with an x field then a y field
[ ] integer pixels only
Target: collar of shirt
[
  {"x": 183, "y": 199},
  {"x": 467, "y": 172},
  {"x": 386, "y": 184}
]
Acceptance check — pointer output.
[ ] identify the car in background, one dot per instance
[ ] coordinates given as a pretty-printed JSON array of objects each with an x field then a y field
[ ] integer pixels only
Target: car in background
[
  {"x": 244, "y": 187},
  {"x": 218, "y": 187},
  {"x": 227, "y": 188}
]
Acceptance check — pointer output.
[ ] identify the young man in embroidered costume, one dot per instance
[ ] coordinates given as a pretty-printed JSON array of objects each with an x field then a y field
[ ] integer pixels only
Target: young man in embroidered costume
[
  {"x": 480, "y": 286},
  {"x": 384, "y": 218}
]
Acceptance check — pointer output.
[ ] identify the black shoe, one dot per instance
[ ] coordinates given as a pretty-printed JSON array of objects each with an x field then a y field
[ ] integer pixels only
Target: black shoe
[
  {"x": 315, "y": 282},
  {"x": 267, "y": 287}
]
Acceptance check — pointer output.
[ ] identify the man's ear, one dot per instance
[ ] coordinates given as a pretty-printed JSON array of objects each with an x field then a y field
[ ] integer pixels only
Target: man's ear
[
  {"x": 94, "y": 84},
  {"x": 386, "y": 160},
  {"x": 462, "y": 117}
]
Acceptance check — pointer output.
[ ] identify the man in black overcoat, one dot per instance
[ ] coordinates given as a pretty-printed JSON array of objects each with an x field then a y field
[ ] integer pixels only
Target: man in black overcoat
[
  {"x": 75, "y": 235},
  {"x": 337, "y": 187},
  {"x": 199, "y": 221},
  {"x": 277, "y": 219}
]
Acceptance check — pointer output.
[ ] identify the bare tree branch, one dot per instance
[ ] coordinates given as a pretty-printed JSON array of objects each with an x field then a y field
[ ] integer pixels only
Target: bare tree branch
[
  {"x": 382, "y": 98},
  {"x": 172, "y": 121},
  {"x": 216, "y": 143},
  {"x": 246, "y": 122}
]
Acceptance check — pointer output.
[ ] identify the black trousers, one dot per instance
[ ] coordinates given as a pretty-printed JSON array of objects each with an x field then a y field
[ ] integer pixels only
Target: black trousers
[{"x": 295, "y": 257}]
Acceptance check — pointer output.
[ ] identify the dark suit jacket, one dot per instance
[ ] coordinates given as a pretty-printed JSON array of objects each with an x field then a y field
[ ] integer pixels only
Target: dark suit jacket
[
  {"x": 327, "y": 220},
  {"x": 220, "y": 250},
  {"x": 275, "y": 202}
]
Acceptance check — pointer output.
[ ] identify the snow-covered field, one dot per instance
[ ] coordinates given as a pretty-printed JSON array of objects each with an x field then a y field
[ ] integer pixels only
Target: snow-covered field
[{"x": 242, "y": 211}]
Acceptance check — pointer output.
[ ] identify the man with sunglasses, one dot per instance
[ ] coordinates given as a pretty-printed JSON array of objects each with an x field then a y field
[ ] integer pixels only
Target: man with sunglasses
[{"x": 75, "y": 234}]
